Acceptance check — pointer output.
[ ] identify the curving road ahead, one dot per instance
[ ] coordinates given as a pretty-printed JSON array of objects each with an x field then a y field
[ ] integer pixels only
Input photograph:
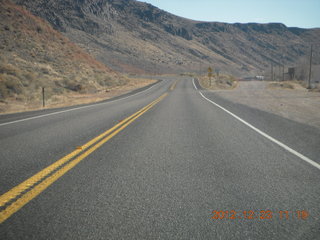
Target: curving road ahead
[{"x": 169, "y": 162}]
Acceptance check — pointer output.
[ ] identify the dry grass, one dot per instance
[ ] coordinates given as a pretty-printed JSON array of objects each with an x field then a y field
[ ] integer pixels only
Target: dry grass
[
  {"x": 221, "y": 82},
  {"x": 281, "y": 85},
  {"x": 287, "y": 85},
  {"x": 34, "y": 55},
  {"x": 12, "y": 105},
  {"x": 316, "y": 89}
]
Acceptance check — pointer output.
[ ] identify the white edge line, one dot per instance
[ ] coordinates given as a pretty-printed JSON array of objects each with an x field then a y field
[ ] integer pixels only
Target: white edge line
[
  {"x": 194, "y": 84},
  {"x": 73, "y": 109},
  {"x": 304, "y": 158}
]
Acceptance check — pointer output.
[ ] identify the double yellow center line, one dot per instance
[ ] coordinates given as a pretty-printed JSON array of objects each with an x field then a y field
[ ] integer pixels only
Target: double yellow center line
[
  {"x": 173, "y": 86},
  {"x": 17, "y": 197}
]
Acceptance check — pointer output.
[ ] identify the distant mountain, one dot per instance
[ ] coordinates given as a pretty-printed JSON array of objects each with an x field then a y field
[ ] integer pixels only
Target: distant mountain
[
  {"x": 34, "y": 55},
  {"x": 134, "y": 36}
]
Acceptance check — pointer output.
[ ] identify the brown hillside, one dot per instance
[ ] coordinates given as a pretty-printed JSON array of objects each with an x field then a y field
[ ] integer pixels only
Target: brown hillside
[{"x": 34, "y": 55}]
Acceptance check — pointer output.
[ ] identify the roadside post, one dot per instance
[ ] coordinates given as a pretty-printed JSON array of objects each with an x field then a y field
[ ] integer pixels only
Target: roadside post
[
  {"x": 43, "y": 96},
  {"x": 210, "y": 75}
]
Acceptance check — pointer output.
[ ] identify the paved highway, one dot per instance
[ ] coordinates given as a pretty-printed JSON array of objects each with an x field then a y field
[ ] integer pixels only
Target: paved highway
[{"x": 163, "y": 163}]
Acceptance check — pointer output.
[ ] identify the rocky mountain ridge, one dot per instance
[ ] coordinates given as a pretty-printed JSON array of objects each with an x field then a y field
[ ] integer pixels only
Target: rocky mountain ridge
[{"x": 133, "y": 36}]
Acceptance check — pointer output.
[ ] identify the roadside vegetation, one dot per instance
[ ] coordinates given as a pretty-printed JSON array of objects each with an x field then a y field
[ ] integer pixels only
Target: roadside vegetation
[
  {"x": 293, "y": 84},
  {"x": 33, "y": 55},
  {"x": 218, "y": 82}
]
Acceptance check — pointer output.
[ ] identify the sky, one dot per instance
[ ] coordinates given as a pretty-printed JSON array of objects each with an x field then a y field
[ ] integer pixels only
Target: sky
[{"x": 293, "y": 13}]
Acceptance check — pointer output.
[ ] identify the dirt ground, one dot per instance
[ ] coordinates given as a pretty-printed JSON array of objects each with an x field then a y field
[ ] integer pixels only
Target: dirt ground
[
  {"x": 13, "y": 106},
  {"x": 293, "y": 102}
]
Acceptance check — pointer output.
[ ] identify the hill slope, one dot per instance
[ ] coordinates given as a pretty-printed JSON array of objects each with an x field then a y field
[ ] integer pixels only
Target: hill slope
[
  {"x": 34, "y": 55},
  {"x": 128, "y": 34}
]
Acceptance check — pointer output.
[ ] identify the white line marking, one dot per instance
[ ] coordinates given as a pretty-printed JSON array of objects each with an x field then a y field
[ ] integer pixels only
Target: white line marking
[
  {"x": 194, "y": 84},
  {"x": 73, "y": 109},
  {"x": 304, "y": 158}
]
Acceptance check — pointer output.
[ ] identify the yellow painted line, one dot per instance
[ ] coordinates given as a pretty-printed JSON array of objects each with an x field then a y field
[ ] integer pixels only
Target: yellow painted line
[
  {"x": 13, "y": 193},
  {"x": 24, "y": 199},
  {"x": 173, "y": 86}
]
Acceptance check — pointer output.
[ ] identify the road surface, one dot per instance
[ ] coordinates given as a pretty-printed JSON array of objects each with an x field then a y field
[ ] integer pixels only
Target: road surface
[{"x": 162, "y": 163}]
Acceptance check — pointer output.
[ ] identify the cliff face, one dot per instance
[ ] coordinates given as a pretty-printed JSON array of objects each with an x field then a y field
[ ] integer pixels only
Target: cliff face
[{"x": 135, "y": 36}]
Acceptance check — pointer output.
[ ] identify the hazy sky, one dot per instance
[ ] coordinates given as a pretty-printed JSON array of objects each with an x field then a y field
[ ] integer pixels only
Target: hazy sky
[{"x": 293, "y": 13}]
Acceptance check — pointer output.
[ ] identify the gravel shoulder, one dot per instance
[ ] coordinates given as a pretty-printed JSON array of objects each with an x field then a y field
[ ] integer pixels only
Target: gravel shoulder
[{"x": 297, "y": 104}]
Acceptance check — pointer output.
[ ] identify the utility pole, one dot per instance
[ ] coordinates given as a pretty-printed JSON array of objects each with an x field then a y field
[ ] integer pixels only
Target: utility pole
[
  {"x": 43, "y": 101},
  {"x": 272, "y": 72},
  {"x": 310, "y": 69},
  {"x": 282, "y": 66}
]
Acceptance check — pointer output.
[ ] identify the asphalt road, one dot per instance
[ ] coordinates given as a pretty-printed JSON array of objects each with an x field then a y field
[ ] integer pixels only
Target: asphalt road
[{"x": 160, "y": 174}]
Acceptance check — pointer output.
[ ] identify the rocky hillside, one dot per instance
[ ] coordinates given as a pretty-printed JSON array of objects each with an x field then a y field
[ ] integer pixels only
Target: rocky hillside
[
  {"x": 133, "y": 36},
  {"x": 34, "y": 55}
]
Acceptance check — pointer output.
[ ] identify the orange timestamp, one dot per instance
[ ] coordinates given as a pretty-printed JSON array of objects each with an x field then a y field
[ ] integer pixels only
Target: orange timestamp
[{"x": 260, "y": 215}]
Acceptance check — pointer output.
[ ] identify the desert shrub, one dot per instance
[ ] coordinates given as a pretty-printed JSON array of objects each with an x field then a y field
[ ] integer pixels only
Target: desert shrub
[
  {"x": 13, "y": 85},
  {"x": 9, "y": 69},
  {"x": 229, "y": 82},
  {"x": 58, "y": 90},
  {"x": 123, "y": 81},
  {"x": 7, "y": 28},
  {"x": 282, "y": 85},
  {"x": 10, "y": 85},
  {"x": 4, "y": 92},
  {"x": 48, "y": 58},
  {"x": 44, "y": 70},
  {"x": 29, "y": 76},
  {"x": 39, "y": 29},
  {"x": 103, "y": 80},
  {"x": 73, "y": 86}
]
